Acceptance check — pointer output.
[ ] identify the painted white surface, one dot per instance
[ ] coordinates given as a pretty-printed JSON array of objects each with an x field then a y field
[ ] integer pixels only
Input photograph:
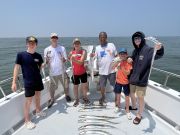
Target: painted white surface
[{"x": 63, "y": 118}]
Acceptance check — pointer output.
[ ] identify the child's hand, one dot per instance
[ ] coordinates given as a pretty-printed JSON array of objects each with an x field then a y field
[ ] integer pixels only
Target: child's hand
[{"x": 129, "y": 60}]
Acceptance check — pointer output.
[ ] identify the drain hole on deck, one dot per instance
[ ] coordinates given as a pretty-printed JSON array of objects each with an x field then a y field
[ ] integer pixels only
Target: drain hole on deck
[{"x": 156, "y": 85}]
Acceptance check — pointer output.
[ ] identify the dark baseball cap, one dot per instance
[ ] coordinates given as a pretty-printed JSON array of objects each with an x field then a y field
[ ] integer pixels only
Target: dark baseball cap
[{"x": 31, "y": 39}]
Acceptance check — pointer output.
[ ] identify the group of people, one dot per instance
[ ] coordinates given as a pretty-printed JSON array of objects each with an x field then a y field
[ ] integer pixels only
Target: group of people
[{"x": 127, "y": 72}]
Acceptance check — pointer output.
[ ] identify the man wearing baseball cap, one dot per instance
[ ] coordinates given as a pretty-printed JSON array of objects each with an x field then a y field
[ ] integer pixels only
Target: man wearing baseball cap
[
  {"x": 30, "y": 62},
  {"x": 55, "y": 57}
]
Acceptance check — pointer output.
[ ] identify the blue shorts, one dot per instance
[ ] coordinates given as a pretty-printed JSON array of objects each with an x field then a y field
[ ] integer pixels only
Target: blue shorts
[{"x": 118, "y": 88}]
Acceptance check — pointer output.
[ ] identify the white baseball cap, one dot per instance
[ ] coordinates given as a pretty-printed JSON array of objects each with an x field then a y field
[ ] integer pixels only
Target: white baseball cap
[
  {"x": 76, "y": 40},
  {"x": 54, "y": 35}
]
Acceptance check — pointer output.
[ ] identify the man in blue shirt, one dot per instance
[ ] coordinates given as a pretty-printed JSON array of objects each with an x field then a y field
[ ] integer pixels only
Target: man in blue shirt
[{"x": 30, "y": 63}]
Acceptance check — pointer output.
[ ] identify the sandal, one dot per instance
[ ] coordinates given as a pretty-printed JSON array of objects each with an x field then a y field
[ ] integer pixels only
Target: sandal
[{"x": 137, "y": 120}]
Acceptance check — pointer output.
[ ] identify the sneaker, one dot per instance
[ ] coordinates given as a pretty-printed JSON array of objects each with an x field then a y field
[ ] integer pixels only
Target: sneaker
[
  {"x": 50, "y": 103},
  {"x": 129, "y": 116},
  {"x": 76, "y": 103},
  {"x": 86, "y": 101},
  {"x": 41, "y": 114},
  {"x": 117, "y": 109},
  {"x": 68, "y": 98},
  {"x": 29, "y": 125}
]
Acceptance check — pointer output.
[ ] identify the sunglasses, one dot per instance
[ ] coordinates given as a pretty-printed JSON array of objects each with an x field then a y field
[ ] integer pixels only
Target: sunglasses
[
  {"x": 137, "y": 38},
  {"x": 54, "y": 37}
]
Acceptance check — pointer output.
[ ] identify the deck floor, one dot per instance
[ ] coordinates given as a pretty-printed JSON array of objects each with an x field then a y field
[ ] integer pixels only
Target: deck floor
[{"x": 63, "y": 118}]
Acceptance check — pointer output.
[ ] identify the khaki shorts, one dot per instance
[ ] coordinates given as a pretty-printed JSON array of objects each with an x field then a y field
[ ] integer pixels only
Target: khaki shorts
[
  {"x": 55, "y": 79},
  {"x": 140, "y": 91}
]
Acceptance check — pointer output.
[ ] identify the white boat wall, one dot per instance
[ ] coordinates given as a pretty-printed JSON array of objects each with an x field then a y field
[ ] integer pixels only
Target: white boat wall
[{"x": 161, "y": 102}]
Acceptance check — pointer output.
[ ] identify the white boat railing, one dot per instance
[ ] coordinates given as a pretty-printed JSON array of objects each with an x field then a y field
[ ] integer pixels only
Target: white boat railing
[
  {"x": 20, "y": 86},
  {"x": 8, "y": 82},
  {"x": 19, "y": 82},
  {"x": 167, "y": 75}
]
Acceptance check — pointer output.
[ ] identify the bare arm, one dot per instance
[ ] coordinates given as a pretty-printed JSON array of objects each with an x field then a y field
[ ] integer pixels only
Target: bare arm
[
  {"x": 15, "y": 75},
  {"x": 81, "y": 61},
  {"x": 126, "y": 72}
]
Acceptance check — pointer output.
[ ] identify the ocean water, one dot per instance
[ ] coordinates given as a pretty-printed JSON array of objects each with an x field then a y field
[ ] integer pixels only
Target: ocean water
[{"x": 170, "y": 61}]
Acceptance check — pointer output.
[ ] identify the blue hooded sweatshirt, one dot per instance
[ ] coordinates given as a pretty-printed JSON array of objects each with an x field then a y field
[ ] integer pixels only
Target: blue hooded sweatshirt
[{"x": 142, "y": 57}]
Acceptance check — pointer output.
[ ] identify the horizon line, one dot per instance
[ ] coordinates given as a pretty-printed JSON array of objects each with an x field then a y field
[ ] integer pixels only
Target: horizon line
[{"x": 91, "y": 36}]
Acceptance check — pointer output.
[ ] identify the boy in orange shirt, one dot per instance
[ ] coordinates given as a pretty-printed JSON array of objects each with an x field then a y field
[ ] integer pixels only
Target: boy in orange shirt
[{"x": 124, "y": 69}]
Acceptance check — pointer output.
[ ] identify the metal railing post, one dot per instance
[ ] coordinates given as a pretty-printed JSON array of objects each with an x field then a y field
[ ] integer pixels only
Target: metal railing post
[
  {"x": 167, "y": 75},
  {"x": 19, "y": 83},
  {"x": 166, "y": 80},
  {"x": 2, "y": 91}
]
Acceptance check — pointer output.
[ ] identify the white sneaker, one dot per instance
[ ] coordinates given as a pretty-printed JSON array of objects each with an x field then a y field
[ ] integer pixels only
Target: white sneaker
[
  {"x": 41, "y": 114},
  {"x": 29, "y": 125},
  {"x": 129, "y": 116},
  {"x": 117, "y": 109}
]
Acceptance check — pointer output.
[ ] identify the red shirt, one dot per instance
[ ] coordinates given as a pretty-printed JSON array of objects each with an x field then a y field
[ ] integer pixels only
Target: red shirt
[
  {"x": 121, "y": 77},
  {"x": 78, "y": 69}
]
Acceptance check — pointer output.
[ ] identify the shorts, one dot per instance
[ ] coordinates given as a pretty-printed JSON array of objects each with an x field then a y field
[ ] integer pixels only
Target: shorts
[
  {"x": 140, "y": 91},
  {"x": 103, "y": 80},
  {"x": 64, "y": 80},
  {"x": 77, "y": 79},
  {"x": 30, "y": 90},
  {"x": 118, "y": 88}
]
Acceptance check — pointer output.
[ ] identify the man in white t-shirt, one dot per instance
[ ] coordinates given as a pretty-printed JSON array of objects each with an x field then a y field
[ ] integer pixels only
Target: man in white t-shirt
[
  {"x": 105, "y": 53},
  {"x": 55, "y": 57}
]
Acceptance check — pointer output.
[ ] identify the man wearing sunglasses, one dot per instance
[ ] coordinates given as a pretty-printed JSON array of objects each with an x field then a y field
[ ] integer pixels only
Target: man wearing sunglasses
[{"x": 55, "y": 57}]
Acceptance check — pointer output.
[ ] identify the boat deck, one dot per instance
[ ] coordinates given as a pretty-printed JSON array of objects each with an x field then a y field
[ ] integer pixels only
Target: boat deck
[{"x": 65, "y": 119}]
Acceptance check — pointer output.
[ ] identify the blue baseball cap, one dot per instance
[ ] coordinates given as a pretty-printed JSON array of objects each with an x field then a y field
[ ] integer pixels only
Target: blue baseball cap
[{"x": 122, "y": 50}]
